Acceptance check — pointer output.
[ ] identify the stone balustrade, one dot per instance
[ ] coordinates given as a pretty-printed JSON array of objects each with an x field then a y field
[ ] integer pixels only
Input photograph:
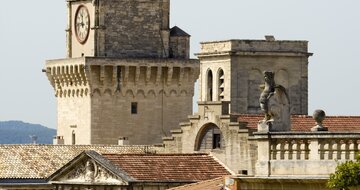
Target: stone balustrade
[{"x": 303, "y": 153}]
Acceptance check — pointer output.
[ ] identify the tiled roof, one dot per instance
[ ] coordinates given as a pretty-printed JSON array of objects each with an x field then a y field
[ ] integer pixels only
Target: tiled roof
[
  {"x": 333, "y": 123},
  {"x": 168, "y": 167},
  {"x": 176, "y": 31},
  {"x": 212, "y": 184},
  {"x": 40, "y": 161},
  {"x": 305, "y": 122}
]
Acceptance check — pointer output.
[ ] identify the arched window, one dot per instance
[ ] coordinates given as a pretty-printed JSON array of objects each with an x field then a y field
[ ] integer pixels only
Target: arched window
[
  {"x": 221, "y": 84},
  {"x": 73, "y": 138},
  {"x": 209, "y": 138},
  {"x": 209, "y": 86}
]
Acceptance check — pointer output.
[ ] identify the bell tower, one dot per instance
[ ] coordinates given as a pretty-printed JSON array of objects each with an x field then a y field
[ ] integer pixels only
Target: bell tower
[{"x": 126, "y": 75}]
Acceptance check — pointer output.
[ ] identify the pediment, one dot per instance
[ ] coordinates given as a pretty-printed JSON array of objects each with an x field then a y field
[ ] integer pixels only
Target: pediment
[{"x": 87, "y": 171}]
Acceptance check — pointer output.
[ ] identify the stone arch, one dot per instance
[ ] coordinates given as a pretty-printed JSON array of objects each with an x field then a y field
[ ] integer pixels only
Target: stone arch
[
  {"x": 220, "y": 84},
  {"x": 209, "y": 137},
  {"x": 162, "y": 93},
  {"x": 183, "y": 93},
  {"x": 108, "y": 91},
  {"x": 254, "y": 91},
  {"x": 140, "y": 94},
  {"x": 209, "y": 85},
  {"x": 173, "y": 93},
  {"x": 96, "y": 92},
  {"x": 151, "y": 94},
  {"x": 130, "y": 94}
]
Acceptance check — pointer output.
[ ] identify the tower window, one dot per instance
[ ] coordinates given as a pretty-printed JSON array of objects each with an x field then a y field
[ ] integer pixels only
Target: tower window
[
  {"x": 216, "y": 141},
  {"x": 221, "y": 85},
  {"x": 209, "y": 87},
  {"x": 73, "y": 138},
  {"x": 134, "y": 107}
]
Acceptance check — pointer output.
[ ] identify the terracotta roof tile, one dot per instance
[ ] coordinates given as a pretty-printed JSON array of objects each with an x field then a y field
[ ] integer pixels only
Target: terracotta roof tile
[
  {"x": 40, "y": 161},
  {"x": 305, "y": 122},
  {"x": 212, "y": 184},
  {"x": 168, "y": 167}
]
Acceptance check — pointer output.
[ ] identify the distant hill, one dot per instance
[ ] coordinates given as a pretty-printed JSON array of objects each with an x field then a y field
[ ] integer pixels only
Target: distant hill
[{"x": 18, "y": 132}]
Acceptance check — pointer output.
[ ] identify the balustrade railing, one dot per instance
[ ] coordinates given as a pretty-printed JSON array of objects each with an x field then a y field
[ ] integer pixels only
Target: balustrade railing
[{"x": 304, "y": 153}]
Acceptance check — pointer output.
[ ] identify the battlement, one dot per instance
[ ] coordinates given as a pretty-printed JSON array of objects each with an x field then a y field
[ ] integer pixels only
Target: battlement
[
  {"x": 75, "y": 77},
  {"x": 254, "y": 46},
  {"x": 141, "y": 99}
]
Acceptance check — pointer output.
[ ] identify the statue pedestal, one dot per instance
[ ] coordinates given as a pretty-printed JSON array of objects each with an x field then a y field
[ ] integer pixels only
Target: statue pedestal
[
  {"x": 264, "y": 126},
  {"x": 319, "y": 128}
]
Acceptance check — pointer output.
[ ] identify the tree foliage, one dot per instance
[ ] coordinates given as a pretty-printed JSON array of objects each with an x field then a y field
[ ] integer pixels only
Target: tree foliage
[{"x": 346, "y": 175}]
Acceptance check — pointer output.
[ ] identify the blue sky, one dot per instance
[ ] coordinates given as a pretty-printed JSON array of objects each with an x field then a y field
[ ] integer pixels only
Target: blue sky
[{"x": 34, "y": 31}]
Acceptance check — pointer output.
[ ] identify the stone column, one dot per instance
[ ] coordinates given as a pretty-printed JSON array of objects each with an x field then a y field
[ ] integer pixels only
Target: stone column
[
  {"x": 262, "y": 167},
  {"x": 314, "y": 149}
]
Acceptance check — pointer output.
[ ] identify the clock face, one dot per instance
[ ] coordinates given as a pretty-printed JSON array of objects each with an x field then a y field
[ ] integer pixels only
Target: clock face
[{"x": 82, "y": 24}]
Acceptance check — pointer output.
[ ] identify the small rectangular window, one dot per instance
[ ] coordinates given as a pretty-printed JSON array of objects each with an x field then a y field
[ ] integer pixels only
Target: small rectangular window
[
  {"x": 134, "y": 108},
  {"x": 216, "y": 141}
]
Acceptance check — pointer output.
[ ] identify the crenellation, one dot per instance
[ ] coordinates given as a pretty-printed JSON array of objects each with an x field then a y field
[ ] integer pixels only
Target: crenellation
[{"x": 109, "y": 85}]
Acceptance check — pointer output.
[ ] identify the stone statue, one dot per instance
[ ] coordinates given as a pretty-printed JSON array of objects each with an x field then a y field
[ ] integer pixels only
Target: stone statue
[
  {"x": 90, "y": 171},
  {"x": 274, "y": 102},
  {"x": 267, "y": 93}
]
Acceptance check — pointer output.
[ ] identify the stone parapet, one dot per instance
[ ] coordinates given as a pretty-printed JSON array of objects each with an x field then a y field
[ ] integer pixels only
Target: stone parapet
[
  {"x": 255, "y": 46},
  {"x": 75, "y": 77},
  {"x": 303, "y": 153}
]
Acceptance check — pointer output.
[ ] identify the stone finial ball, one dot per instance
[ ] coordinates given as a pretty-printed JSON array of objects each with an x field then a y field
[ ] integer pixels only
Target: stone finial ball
[{"x": 319, "y": 116}]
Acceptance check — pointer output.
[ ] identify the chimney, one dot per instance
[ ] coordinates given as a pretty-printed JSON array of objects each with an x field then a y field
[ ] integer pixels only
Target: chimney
[
  {"x": 58, "y": 140},
  {"x": 269, "y": 38},
  {"x": 123, "y": 141}
]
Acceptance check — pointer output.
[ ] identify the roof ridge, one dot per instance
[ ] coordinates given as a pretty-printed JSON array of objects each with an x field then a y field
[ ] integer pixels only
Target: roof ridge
[
  {"x": 158, "y": 154},
  {"x": 197, "y": 183}
]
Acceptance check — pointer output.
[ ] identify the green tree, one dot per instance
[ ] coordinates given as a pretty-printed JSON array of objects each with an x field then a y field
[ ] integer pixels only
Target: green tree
[{"x": 346, "y": 175}]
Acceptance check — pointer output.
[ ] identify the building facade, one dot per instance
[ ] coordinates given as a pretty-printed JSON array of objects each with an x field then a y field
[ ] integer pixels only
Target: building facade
[
  {"x": 127, "y": 75},
  {"x": 230, "y": 86}
]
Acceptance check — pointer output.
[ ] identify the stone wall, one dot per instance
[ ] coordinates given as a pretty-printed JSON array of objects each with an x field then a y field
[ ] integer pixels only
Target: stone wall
[
  {"x": 235, "y": 151},
  {"x": 95, "y": 97},
  {"x": 243, "y": 62},
  {"x": 179, "y": 47}
]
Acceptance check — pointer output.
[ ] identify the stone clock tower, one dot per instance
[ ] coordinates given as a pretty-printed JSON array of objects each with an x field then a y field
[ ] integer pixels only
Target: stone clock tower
[{"x": 126, "y": 75}]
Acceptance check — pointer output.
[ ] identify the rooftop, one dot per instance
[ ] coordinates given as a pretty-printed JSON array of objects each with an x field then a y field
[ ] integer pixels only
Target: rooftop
[
  {"x": 212, "y": 184},
  {"x": 168, "y": 167},
  {"x": 305, "y": 122},
  {"x": 40, "y": 161}
]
